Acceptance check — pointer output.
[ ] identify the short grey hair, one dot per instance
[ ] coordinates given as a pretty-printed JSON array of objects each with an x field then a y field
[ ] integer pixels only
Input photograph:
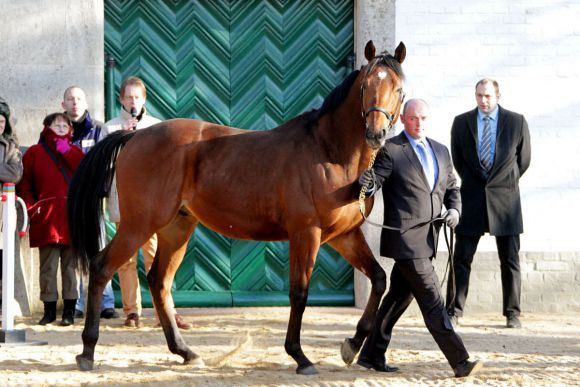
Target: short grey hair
[{"x": 488, "y": 80}]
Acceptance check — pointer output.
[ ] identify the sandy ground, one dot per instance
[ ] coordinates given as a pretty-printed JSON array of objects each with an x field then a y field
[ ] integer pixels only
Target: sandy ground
[{"x": 245, "y": 347}]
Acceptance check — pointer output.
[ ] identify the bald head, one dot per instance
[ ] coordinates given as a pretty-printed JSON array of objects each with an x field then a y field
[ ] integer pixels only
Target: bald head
[
  {"x": 414, "y": 117},
  {"x": 413, "y": 102}
]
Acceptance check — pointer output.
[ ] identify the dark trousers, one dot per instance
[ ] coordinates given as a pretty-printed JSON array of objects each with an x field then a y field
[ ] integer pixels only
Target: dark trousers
[
  {"x": 413, "y": 278},
  {"x": 50, "y": 256},
  {"x": 508, "y": 248}
]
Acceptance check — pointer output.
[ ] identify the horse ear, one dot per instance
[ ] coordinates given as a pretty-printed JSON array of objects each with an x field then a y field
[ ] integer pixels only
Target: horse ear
[
  {"x": 370, "y": 50},
  {"x": 400, "y": 52}
]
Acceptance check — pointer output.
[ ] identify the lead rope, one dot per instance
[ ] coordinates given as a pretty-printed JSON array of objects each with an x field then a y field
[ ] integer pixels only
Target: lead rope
[
  {"x": 451, "y": 268},
  {"x": 365, "y": 187},
  {"x": 448, "y": 238}
]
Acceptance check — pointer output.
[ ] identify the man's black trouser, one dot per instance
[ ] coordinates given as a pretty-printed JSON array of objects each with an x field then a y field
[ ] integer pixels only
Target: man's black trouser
[
  {"x": 508, "y": 248},
  {"x": 413, "y": 278}
]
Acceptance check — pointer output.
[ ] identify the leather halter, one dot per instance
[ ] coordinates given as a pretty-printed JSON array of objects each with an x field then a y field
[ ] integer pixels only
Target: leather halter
[{"x": 390, "y": 116}]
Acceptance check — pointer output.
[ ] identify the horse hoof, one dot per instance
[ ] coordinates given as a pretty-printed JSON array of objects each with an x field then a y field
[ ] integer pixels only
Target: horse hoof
[
  {"x": 348, "y": 351},
  {"x": 195, "y": 362},
  {"x": 308, "y": 370},
  {"x": 84, "y": 364}
]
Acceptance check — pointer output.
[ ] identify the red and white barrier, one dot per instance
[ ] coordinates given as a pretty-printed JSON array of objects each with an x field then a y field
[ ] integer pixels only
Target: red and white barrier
[{"x": 9, "y": 199}]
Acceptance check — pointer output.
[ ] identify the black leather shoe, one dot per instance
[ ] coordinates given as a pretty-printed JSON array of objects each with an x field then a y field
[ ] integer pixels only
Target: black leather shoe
[
  {"x": 467, "y": 368},
  {"x": 109, "y": 313},
  {"x": 377, "y": 367},
  {"x": 79, "y": 314},
  {"x": 49, "y": 316},
  {"x": 67, "y": 318},
  {"x": 132, "y": 320},
  {"x": 49, "y": 313},
  {"x": 513, "y": 322}
]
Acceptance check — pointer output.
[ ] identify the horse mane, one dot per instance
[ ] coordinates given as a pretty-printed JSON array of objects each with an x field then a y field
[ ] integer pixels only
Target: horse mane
[
  {"x": 338, "y": 94},
  {"x": 335, "y": 98}
]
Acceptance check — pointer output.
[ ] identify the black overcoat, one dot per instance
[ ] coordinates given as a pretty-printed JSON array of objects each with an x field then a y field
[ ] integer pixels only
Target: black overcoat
[{"x": 491, "y": 203}]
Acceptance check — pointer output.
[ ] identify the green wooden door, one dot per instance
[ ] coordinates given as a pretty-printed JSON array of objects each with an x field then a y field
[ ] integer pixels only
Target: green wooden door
[{"x": 248, "y": 64}]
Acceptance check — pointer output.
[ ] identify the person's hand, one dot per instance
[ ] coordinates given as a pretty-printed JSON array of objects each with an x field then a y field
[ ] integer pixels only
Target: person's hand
[
  {"x": 367, "y": 179},
  {"x": 451, "y": 217},
  {"x": 11, "y": 149},
  {"x": 130, "y": 124},
  {"x": 62, "y": 145}
]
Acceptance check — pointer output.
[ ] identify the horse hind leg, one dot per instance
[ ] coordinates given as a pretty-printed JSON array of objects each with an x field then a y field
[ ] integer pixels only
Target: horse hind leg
[
  {"x": 172, "y": 242},
  {"x": 303, "y": 249},
  {"x": 90, "y": 335},
  {"x": 101, "y": 270},
  {"x": 354, "y": 248}
]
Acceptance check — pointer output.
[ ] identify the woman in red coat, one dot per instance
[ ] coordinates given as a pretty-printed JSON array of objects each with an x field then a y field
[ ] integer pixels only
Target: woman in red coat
[{"x": 48, "y": 168}]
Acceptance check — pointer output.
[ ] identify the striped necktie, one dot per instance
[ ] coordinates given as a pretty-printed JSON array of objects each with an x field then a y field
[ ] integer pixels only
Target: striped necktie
[{"x": 485, "y": 149}]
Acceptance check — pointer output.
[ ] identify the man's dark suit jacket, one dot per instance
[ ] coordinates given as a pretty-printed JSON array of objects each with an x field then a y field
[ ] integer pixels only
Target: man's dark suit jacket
[
  {"x": 408, "y": 199},
  {"x": 497, "y": 196}
]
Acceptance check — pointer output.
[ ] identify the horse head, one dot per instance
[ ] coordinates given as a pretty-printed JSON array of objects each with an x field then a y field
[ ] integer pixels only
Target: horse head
[{"x": 381, "y": 93}]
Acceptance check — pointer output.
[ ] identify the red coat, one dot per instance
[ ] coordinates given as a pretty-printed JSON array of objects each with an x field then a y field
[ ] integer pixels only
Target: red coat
[{"x": 44, "y": 190}]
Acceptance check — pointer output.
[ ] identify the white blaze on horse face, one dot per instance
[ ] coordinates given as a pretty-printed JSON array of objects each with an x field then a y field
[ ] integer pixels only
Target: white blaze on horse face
[{"x": 382, "y": 74}]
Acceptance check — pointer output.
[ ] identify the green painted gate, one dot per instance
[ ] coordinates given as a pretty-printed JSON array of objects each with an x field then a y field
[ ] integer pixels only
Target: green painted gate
[{"x": 248, "y": 64}]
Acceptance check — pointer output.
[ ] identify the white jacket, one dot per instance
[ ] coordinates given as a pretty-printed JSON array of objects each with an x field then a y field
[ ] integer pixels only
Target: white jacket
[
  {"x": 117, "y": 122},
  {"x": 110, "y": 127}
]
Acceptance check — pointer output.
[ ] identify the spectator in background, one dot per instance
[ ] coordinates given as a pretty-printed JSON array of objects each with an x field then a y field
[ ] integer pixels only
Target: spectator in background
[
  {"x": 133, "y": 116},
  {"x": 10, "y": 158},
  {"x": 491, "y": 150},
  {"x": 86, "y": 133},
  {"x": 48, "y": 168}
]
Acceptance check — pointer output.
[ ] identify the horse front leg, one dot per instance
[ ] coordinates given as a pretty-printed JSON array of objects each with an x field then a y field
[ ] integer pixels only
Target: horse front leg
[
  {"x": 304, "y": 246},
  {"x": 172, "y": 243},
  {"x": 354, "y": 248},
  {"x": 97, "y": 281}
]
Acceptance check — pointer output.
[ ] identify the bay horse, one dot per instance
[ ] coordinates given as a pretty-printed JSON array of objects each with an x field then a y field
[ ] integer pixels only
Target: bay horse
[{"x": 296, "y": 182}]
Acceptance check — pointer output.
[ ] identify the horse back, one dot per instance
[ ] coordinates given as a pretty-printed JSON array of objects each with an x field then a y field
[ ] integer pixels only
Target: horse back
[
  {"x": 153, "y": 169},
  {"x": 241, "y": 183}
]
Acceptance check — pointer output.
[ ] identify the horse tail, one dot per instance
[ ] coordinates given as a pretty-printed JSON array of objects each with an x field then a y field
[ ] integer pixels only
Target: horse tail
[{"x": 90, "y": 184}]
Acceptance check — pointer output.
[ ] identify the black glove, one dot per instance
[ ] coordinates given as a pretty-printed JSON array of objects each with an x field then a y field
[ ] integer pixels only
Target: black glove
[
  {"x": 451, "y": 217},
  {"x": 367, "y": 179}
]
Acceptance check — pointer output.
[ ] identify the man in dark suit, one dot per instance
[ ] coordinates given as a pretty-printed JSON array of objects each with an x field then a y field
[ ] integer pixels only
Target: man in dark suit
[
  {"x": 490, "y": 167},
  {"x": 417, "y": 178}
]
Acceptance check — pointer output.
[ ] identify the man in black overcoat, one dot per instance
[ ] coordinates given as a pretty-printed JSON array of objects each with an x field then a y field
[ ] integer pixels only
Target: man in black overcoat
[
  {"x": 417, "y": 179},
  {"x": 490, "y": 172}
]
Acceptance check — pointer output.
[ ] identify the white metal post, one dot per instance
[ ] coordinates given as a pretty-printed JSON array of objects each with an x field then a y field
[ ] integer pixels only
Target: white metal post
[
  {"x": 8, "y": 335},
  {"x": 8, "y": 230}
]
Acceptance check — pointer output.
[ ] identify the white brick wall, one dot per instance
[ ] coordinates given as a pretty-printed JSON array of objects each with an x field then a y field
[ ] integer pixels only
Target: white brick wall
[
  {"x": 550, "y": 283},
  {"x": 532, "y": 48}
]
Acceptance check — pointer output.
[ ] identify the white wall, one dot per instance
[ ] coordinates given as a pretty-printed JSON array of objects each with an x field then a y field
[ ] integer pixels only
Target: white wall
[
  {"x": 46, "y": 46},
  {"x": 532, "y": 48}
]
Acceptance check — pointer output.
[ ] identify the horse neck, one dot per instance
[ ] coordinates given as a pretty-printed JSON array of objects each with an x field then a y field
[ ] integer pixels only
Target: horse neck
[{"x": 342, "y": 133}]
